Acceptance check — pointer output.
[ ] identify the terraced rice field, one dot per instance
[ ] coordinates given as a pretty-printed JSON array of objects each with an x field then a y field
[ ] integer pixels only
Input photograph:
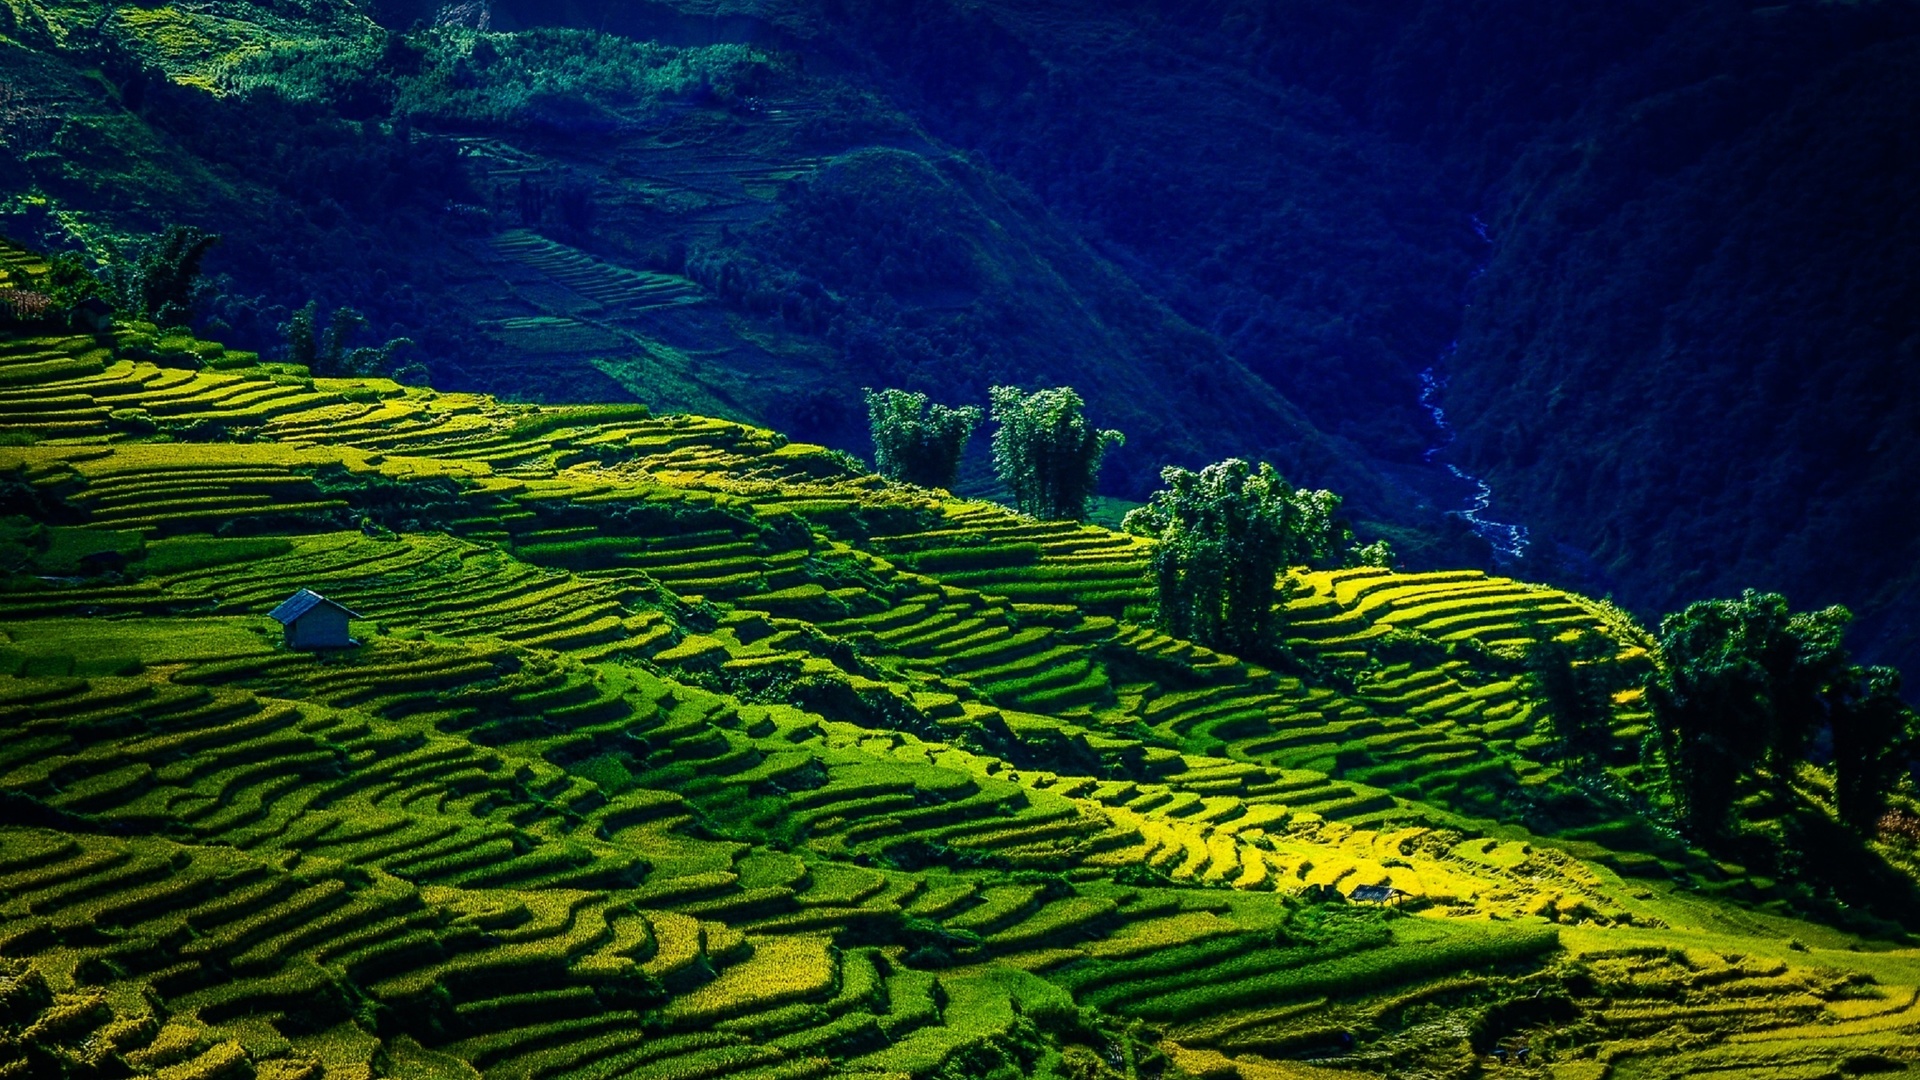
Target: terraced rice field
[
  {"x": 617, "y": 291},
  {"x": 670, "y": 749}
]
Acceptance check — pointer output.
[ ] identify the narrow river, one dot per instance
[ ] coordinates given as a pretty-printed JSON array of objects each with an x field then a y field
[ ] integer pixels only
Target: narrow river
[{"x": 1509, "y": 540}]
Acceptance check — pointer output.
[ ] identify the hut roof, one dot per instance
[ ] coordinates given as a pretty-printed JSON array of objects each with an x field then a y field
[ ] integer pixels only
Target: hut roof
[{"x": 304, "y": 601}]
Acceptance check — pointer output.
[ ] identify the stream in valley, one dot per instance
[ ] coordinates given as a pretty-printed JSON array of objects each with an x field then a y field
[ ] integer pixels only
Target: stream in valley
[{"x": 1509, "y": 540}]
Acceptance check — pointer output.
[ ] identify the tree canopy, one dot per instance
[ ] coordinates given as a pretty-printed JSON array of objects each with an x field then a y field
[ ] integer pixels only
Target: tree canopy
[
  {"x": 329, "y": 355},
  {"x": 1750, "y": 683},
  {"x": 1045, "y": 452},
  {"x": 167, "y": 275},
  {"x": 1225, "y": 535},
  {"x": 1567, "y": 673},
  {"x": 915, "y": 442}
]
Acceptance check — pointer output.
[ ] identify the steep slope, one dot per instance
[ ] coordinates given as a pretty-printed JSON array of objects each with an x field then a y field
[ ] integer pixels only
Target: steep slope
[
  {"x": 563, "y": 215},
  {"x": 1693, "y": 354},
  {"x": 671, "y": 748},
  {"x": 1695, "y": 234},
  {"x": 1685, "y": 359},
  {"x": 1696, "y": 238}
]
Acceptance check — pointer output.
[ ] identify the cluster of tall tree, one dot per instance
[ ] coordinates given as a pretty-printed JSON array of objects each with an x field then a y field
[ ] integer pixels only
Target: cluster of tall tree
[
  {"x": 915, "y": 442},
  {"x": 1227, "y": 535},
  {"x": 1046, "y": 453},
  {"x": 1747, "y": 689},
  {"x": 329, "y": 354},
  {"x": 1043, "y": 449}
]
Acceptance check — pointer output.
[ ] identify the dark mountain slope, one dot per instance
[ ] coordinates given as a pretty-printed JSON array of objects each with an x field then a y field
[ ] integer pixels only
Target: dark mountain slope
[
  {"x": 1324, "y": 256},
  {"x": 1682, "y": 367},
  {"x": 1327, "y": 259},
  {"x": 1704, "y": 372},
  {"x": 1688, "y": 362},
  {"x": 730, "y": 226},
  {"x": 929, "y": 273}
]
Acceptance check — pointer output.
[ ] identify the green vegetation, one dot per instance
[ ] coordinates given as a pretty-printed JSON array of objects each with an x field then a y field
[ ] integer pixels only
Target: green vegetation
[
  {"x": 676, "y": 748},
  {"x": 160, "y": 286},
  {"x": 779, "y": 229},
  {"x": 1045, "y": 453},
  {"x": 1748, "y": 684},
  {"x": 977, "y": 193},
  {"x": 1570, "y": 676},
  {"x": 1223, "y": 536},
  {"x": 914, "y": 443}
]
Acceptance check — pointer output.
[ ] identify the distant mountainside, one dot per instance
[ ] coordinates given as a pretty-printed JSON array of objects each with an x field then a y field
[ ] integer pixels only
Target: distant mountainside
[
  {"x": 1695, "y": 352},
  {"x": 1658, "y": 255},
  {"x": 1686, "y": 349},
  {"x": 723, "y": 227}
]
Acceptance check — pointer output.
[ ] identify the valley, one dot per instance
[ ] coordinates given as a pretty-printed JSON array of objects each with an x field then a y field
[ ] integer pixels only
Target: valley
[{"x": 701, "y": 540}]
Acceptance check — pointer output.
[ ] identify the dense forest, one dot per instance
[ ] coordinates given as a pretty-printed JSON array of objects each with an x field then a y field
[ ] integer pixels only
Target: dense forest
[{"x": 1656, "y": 257}]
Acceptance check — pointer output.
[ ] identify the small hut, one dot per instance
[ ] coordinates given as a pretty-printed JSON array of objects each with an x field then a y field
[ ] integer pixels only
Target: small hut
[
  {"x": 312, "y": 621},
  {"x": 1375, "y": 894}
]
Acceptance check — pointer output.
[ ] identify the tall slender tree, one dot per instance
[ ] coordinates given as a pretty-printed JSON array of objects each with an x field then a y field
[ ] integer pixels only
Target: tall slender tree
[
  {"x": 1045, "y": 452},
  {"x": 330, "y": 354},
  {"x": 915, "y": 442},
  {"x": 1225, "y": 534}
]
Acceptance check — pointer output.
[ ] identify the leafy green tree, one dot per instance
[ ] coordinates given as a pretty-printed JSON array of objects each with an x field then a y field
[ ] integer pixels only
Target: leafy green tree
[
  {"x": 917, "y": 443},
  {"x": 1044, "y": 451},
  {"x": 1576, "y": 692},
  {"x": 69, "y": 283},
  {"x": 1747, "y": 682},
  {"x": 168, "y": 274},
  {"x": 1225, "y": 534},
  {"x": 303, "y": 336},
  {"x": 329, "y": 355},
  {"x": 1379, "y": 553},
  {"x": 1222, "y": 538},
  {"x": 1875, "y": 739},
  {"x": 334, "y": 356}
]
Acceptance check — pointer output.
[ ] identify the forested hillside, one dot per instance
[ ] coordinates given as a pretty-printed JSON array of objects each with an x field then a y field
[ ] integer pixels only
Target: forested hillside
[
  {"x": 717, "y": 226},
  {"x": 1687, "y": 363},
  {"x": 1671, "y": 242}
]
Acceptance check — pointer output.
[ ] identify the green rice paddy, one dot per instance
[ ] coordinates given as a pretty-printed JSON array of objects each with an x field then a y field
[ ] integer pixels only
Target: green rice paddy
[{"x": 671, "y": 749}]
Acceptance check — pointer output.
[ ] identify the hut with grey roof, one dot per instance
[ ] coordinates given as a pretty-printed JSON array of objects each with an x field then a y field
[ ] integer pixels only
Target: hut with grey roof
[{"x": 312, "y": 621}]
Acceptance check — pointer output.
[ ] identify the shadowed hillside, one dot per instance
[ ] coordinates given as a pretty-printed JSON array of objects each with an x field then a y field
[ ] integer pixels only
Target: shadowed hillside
[
  {"x": 729, "y": 225},
  {"x": 1660, "y": 235}
]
